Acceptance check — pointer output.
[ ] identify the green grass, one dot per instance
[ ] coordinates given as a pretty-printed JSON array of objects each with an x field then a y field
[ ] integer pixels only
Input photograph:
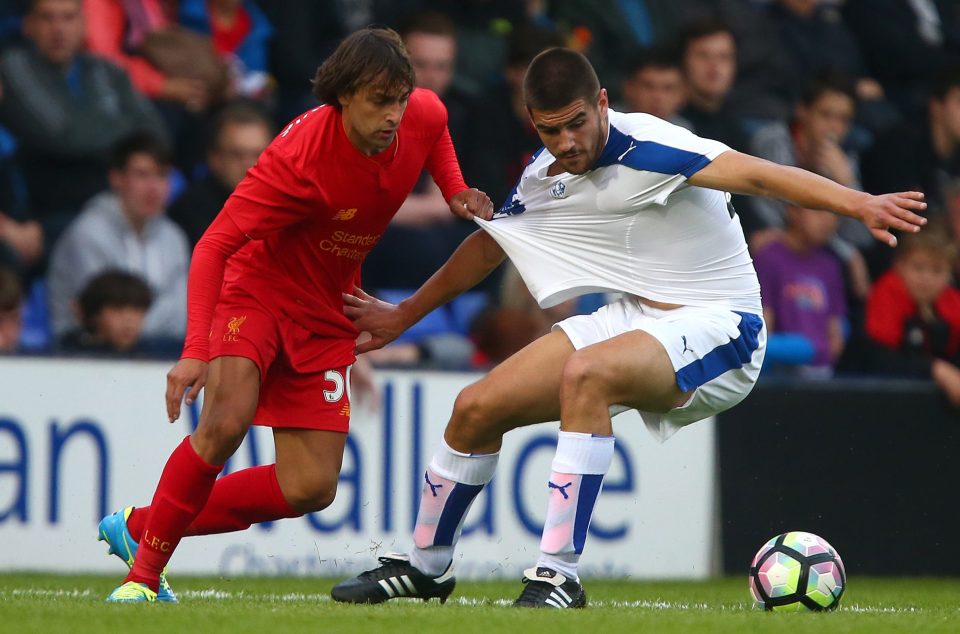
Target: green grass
[{"x": 51, "y": 604}]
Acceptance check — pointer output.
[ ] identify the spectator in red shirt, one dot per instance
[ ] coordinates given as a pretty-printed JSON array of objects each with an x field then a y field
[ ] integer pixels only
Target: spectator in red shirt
[
  {"x": 266, "y": 332},
  {"x": 913, "y": 314}
]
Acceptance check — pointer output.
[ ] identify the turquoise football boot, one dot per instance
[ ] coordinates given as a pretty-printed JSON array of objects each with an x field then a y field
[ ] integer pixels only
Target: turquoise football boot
[
  {"x": 113, "y": 530},
  {"x": 132, "y": 592}
]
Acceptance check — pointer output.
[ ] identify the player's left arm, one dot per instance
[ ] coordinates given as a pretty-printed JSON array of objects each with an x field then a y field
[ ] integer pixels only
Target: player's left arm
[
  {"x": 744, "y": 174},
  {"x": 465, "y": 202}
]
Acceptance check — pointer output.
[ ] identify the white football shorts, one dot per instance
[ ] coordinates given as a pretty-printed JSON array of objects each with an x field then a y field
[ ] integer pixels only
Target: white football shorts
[{"x": 715, "y": 351}]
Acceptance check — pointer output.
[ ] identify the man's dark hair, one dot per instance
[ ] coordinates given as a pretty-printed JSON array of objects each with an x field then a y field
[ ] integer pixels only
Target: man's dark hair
[
  {"x": 29, "y": 6},
  {"x": 368, "y": 56},
  {"x": 945, "y": 81},
  {"x": 558, "y": 76},
  {"x": 139, "y": 143},
  {"x": 658, "y": 57},
  {"x": 238, "y": 112},
  {"x": 11, "y": 292},
  {"x": 825, "y": 82},
  {"x": 112, "y": 289},
  {"x": 430, "y": 22},
  {"x": 700, "y": 28}
]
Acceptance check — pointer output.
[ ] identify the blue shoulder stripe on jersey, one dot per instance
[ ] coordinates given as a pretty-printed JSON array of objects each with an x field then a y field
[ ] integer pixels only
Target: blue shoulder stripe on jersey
[
  {"x": 730, "y": 356},
  {"x": 512, "y": 205},
  {"x": 650, "y": 156}
]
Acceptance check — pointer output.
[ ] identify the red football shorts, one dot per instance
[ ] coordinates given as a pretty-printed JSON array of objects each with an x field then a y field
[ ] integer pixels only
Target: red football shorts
[{"x": 296, "y": 389}]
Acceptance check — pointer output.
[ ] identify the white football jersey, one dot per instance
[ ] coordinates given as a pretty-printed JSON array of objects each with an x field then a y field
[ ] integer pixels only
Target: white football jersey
[{"x": 632, "y": 224}]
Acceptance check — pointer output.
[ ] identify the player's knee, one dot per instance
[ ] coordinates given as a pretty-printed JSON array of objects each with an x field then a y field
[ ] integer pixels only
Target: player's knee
[
  {"x": 583, "y": 376},
  {"x": 312, "y": 497},
  {"x": 473, "y": 415}
]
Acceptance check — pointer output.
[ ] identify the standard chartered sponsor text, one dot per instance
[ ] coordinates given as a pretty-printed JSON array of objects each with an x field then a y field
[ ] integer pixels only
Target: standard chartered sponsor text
[{"x": 345, "y": 244}]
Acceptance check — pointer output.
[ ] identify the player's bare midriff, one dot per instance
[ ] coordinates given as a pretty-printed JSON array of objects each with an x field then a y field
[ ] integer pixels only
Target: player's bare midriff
[{"x": 657, "y": 305}]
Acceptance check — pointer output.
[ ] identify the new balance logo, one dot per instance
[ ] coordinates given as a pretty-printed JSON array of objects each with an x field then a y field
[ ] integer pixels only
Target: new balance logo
[
  {"x": 346, "y": 214},
  {"x": 561, "y": 489},
  {"x": 628, "y": 150},
  {"x": 398, "y": 586},
  {"x": 433, "y": 487},
  {"x": 685, "y": 348}
]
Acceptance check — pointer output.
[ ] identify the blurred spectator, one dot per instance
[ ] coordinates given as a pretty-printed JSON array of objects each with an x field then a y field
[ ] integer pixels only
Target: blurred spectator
[
  {"x": 709, "y": 56},
  {"x": 802, "y": 288},
  {"x": 21, "y": 236},
  {"x": 164, "y": 61},
  {"x": 125, "y": 229},
  {"x": 111, "y": 310},
  {"x": 921, "y": 156},
  {"x": 906, "y": 43},
  {"x": 10, "y": 16},
  {"x": 913, "y": 316},
  {"x": 814, "y": 141},
  {"x": 424, "y": 219},
  {"x": 241, "y": 131},
  {"x": 309, "y": 31},
  {"x": 66, "y": 108},
  {"x": 504, "y": 139},
  {"x": 606, "y": 31},
  {"x": 817, "y": 40},
  {"x": 766, "y": 78},
  {"x": 241, "y": 34},
  {"x": 431, "y": 41},
  {"x": 518, "y": 320},
  {"x": 11, "y": 311},
  {"x": 654, "y": 84}
]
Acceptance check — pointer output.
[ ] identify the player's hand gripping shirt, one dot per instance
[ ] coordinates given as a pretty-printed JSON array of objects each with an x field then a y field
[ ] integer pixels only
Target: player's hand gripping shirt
[
  {"x": 296, "y": 229},
  {"x": 632, "y": 224}
]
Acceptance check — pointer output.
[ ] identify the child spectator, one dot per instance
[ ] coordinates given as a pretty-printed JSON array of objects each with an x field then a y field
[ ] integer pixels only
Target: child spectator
[
  {"x": 11, "y": 311},
  {"x": 126, "y": 228},
  {"x": 111, "y": 310},
  {"x": 913, "y": 314},
  {"x": 802, "y": 287}
]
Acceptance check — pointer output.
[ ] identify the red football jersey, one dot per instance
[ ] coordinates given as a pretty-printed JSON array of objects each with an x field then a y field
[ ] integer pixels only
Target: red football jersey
[{"x": 306, "y": 215}]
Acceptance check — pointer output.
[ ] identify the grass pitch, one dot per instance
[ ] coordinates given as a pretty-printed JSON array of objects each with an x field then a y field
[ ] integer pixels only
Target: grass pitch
[{"x": 51, "y": 604}]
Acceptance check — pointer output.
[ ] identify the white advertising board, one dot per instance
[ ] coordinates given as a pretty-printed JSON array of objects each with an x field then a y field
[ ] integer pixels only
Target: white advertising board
[{"x": 81, "y": 438}]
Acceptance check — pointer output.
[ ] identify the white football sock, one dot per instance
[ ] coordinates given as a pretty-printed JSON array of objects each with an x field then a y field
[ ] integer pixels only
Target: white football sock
[
  {"x": 576, "y": 480},
  {"x": 451, "y": 484}
]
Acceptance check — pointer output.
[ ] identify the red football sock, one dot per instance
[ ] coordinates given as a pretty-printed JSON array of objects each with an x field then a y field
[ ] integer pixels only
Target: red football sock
[
  {"x": 238, "y": 500},
  {"x": 185, "y": 485}
]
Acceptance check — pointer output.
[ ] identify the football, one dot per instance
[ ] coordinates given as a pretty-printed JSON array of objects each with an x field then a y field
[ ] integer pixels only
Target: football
[{"x": 797, "y": 571}]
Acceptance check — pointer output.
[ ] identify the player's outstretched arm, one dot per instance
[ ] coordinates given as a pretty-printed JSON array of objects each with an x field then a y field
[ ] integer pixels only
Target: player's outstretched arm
[
  {"x": 470, "y": 263},
  {"x": 744, "y": 174}
]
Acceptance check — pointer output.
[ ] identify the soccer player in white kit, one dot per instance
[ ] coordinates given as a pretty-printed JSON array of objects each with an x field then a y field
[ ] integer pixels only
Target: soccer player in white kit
[{"x": 614, "y": 202}]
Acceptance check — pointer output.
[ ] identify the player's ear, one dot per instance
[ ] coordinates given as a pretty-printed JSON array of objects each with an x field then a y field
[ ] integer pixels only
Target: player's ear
[{"x": 603, "y": 100}]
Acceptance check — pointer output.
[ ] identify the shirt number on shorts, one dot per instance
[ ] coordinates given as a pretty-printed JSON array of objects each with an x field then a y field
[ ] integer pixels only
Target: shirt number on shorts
[{"x": 339, "y": 386}]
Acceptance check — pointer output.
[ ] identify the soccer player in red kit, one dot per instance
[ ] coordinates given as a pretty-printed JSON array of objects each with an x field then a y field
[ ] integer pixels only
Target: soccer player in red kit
[{"x": 266, "y": 333}]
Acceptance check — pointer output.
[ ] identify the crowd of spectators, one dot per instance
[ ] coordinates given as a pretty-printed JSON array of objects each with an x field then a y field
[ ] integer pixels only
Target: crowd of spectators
[{"x": 125, "y": 125}]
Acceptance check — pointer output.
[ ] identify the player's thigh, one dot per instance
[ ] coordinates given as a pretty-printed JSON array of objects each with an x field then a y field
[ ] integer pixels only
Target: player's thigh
[
  {"x": 630, "y": 369},
  {"x": 523, "y": 390},
  {"x": 229, "y": 400},
  {"x": 308, "y": 465}
]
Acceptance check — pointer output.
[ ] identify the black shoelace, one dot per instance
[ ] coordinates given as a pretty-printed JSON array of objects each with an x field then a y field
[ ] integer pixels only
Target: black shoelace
[
  {"x": 535, "y": 591},
  {"x": 388, "y": 569}
]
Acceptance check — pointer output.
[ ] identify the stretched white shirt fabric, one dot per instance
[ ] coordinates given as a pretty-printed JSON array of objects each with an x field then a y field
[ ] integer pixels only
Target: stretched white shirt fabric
[{"x": 632, "y": 224}]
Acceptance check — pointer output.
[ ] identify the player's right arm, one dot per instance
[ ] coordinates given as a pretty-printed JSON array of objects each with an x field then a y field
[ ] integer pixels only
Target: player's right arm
[
  {"x": 273, "y": 195},
  {"x": 220, "y": 241},
  {"x": 473, "y": 260}
]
